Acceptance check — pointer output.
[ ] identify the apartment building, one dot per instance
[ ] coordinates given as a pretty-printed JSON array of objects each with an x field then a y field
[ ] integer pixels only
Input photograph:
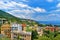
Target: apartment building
[
  {"x": 6, "y": 30},
  {"x": 21, "y": 35},
  {"x": 52, "y": 29},
  {"x": 18, "y": 32},
  {"x": 40, "y": 31}
]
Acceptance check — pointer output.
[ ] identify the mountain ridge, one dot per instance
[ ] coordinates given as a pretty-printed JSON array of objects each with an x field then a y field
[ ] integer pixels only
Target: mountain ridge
[{"x": 12, "y": 18}]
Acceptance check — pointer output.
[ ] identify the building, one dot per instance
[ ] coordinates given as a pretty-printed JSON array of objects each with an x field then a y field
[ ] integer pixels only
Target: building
[
  {"x": 6, "y": 30},
  {"x": 52, "y": 29},
  {"x": 3, "y": 20},
  {"x": 21, "y": 35},
  {"x": 40, "y": 31},
  {"x": 24, "y": 27},
  {"x": 5, "y": 27},
  {"x": 18, "y": 33},
  {"x": 16, "y": 27},
  {"x": 35, "y": 27}
]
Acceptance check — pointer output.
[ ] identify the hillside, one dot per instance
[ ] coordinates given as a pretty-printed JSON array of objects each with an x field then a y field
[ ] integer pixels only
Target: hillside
[
  {"x": 7, "y": 16},
  {"x": 12, "y": 18}
]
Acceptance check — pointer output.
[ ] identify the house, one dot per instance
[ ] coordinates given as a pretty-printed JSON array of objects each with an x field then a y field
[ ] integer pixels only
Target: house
[
  {"x": 40, "y": 31},
  {"x": 52, "y": 29},
  {"x": 16, "y": 27},
  {"x": 5, "y": 27},
  {"x": 21, "y": 35},
  {"x": 16, "y": 30},
  {"x": 3, "y": 20},
  {"x": 24, "y": 27},
  {"x": 6, "y": 30},
  {"x": 35, "y": 27}
]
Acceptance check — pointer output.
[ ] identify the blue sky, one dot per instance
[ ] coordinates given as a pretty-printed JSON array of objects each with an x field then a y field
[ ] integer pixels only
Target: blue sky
[{"x": 40, "y": 10}]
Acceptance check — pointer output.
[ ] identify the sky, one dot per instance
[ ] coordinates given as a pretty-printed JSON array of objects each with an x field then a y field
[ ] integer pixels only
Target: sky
[{"x": 39, "y": 10}]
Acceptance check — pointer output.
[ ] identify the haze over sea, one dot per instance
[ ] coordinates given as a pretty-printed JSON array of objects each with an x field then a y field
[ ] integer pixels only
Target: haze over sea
[{"x": 50, "y": 22}]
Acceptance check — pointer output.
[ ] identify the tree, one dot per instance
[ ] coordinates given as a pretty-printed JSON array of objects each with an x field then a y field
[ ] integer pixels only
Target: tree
[
  {"x": 43, "y": 38},
  {"x": 42, "y": 25},
  {"x": 34, "y": 34},
  {"x": 57, "y": 37},
  {"x": 49, "y": 34},
  {"x": 28, "y": 29}
]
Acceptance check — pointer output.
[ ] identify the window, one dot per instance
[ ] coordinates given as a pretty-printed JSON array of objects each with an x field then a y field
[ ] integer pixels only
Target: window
[{"x": 14, "y": 28}]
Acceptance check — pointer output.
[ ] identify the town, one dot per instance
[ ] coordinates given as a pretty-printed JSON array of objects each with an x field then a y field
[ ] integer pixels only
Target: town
[
  {"x": 16, "y": 31},
  {"x": 29, "y": 19}
]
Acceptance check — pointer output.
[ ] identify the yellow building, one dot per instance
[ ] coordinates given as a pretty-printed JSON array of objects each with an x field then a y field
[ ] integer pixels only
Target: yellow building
[
  {"x": 35, "y": 27},
  {"x": 6, "y": 30}
]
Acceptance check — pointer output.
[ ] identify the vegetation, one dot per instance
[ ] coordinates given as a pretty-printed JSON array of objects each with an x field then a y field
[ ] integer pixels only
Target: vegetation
[
  {"x": 28, "y": 29},
  {"x": 43, "y": 38},
  {"x": 34, "y": 35},
  {"x": 57, "y": 37},
  {"x": 12, "y": 18},
  {"x": 48, "y": 35},
  {"x": 3, "y": 37}
]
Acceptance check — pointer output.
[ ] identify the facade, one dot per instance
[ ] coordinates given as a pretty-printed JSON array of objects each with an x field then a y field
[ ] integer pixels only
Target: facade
[
  {"x": 40, "y": 31},
  {"x": 35, "y": 27},
  {"x": 51, "y": 28},
  {"x": 2, "y": 21},
  {"x": 21, "y": 35},
  {"x": 6, "y": 30},
  {"x": 5, "y": 27},
  {"x": 24, "y": 27},
  {"x": 18, "y": 34},
  {"x": 16, "y": 27}
]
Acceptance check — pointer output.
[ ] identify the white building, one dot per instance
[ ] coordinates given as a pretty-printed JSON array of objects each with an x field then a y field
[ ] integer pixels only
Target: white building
[
  {"x": 16, "y": 27},
  {"x": 40, "y": 31}
]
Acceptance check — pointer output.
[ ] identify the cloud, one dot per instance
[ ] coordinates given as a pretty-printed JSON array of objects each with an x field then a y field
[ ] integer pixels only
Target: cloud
[
  {"x": 20, "y": 5},
  {"x": 49, "y": 0},
  {"x": 58, "y": 5},
  {"x": 53, "y": 15},
  {"x": 7, "y": 5},
  {"x": 49, "y": 17},
  {"x": 58, "y": 0},
  {"x": 39, "y": 9},
  {"x": 25, "y": 0},
  {"x": 27, "y": 14},
  {"x": 20, "y": 9}
]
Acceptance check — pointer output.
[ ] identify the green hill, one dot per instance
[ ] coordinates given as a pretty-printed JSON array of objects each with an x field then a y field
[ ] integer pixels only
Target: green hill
[
  {"x": 8, "y": 16},
  {"x": 12, "y": 18}
]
